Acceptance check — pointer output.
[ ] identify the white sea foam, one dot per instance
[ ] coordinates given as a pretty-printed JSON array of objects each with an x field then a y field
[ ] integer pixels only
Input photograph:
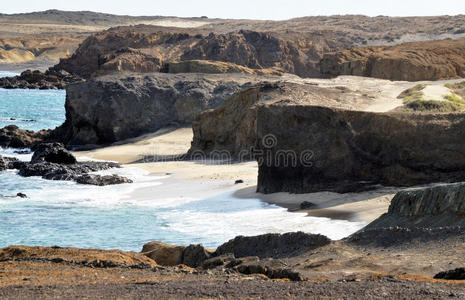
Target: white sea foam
[{"x": 69, "y": 214}]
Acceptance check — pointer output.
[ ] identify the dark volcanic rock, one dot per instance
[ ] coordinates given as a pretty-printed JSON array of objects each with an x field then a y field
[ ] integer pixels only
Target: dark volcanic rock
[
  {"x": 341, "y": 150},
  {"x": 51, "y": 79},
  {"x": 113, "y": 108},
  {"x": 102, "y": 180},
  {"x": 52, "y": 152},
  {"x": 273, "y": 245},
  {"x": 457, "y": 274},
  {"x": 12, "y": 136},
  {"x": 56, "y": 171},
  {"x": 438, "y": 206},
  {"x": 3, "y": 164},
  {"x": 194, "y": 255},
  {"x": 307, "y": 205}
]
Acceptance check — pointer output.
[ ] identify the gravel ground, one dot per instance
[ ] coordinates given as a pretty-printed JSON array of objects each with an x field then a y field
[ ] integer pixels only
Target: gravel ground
[{"x": 381, "y": 288}]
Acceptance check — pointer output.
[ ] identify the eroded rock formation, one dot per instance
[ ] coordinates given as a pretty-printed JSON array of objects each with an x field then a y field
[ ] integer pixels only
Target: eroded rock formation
[
  {"x": 340, "y": 150},
  {"x": 431, "y": 60},
  {"x": 113, "y": 108},
  {"x": 438, "y": 206}
]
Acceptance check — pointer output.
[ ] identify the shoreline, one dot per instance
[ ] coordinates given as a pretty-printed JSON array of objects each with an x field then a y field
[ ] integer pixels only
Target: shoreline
[{"x": 354, "y": 207}]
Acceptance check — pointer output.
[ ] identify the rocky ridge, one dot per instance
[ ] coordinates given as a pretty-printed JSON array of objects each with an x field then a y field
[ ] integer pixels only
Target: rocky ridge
[{"x": 433, "y": 60}]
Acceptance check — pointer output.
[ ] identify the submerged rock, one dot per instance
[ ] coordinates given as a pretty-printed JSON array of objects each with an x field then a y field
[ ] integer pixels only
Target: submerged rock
[{"x": 102, "y": 180}]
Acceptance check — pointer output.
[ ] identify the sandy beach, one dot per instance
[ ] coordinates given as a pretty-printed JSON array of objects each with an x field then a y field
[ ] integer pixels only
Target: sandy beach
[{"x": 208, "y": 178}]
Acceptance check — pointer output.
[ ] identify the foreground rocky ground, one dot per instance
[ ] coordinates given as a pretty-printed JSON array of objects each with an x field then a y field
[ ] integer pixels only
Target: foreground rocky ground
[{"x": 379, "y": 262}]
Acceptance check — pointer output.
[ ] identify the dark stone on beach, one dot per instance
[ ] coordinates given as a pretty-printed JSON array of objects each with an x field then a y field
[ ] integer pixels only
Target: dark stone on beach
[
  {"x": 273, "y": 245},
  {"x": 52, "y": 152},
  {"x": 194, "y": 255},
  {"x": 21, "y": 195},
  {"x": 102, "y": 180},
  {"x": 457, "y": 274},
  {"x": 239, "y": 181},
  {"x": 307, "y": 205}
]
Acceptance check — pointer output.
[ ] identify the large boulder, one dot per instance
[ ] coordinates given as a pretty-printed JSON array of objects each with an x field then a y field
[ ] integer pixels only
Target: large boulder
[
  {"x": 53, "y": 153},
  {"x": 163, "y": 254},
  {"x": 171, "y": 255}
]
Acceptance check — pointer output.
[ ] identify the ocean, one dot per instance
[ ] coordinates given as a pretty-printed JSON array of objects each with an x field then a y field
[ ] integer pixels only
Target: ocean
[{"x": 68, "y": 214}]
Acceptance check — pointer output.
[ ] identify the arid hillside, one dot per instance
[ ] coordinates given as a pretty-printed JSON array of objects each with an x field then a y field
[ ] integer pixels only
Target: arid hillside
[
  {"x": 296, "y": 45},
  {"x": 416, "y": 61}
]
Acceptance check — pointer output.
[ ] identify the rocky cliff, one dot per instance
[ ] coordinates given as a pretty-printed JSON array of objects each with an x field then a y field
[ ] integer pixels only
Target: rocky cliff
[
  {"x": 317, "y": 148},
  {"x": 432, "y": 60},
  {"x": 437, "y": 206},
  {"x": 231, "y": 129},
  {"x": 146, "y": 48},
  {"x": 114, "y": 108}
]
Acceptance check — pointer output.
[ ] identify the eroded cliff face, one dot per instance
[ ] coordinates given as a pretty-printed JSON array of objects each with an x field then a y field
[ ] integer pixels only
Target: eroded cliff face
[
  {"x": 431, "y": 60},
  {"x": 231, "y": 129},
  {"x": 342, "y": 151},
  {"x": 113, "y": 108},
  {"x": 437, "y": 206},
  {"x": 145, "y": 48}
]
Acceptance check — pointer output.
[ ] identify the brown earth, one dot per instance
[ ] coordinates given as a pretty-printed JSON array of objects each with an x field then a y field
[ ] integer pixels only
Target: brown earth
[
  {"x": 418, "y": 61},
  {"x": 296, "y": 45}
]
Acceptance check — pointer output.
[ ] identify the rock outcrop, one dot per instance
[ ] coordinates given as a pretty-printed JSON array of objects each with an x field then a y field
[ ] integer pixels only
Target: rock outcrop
[
  {"x": 52, "y": 161},
  {"x": 430, "y": 60},
  {"x": 437, "y": 206},
  {"x": 50, "y": 79},
  {"x": 273, "y": 245},
  {"x": 231, "y": 129},
  {"x": 145, "y": 48},
  {"x": 53, "y": 153},
  {"x": 113, "y": 108},
  {"x": 316, "y": 148},
  {"x": 14, "y": 137},
  {"x": 215, "y": 67},
  {"x": 171, "y": 255}
]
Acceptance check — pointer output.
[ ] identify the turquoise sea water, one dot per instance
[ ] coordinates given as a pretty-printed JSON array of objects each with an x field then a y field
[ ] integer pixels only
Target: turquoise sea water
[
  {"x": 67, "y": 214},
  {"x": 31, "y": 109}
]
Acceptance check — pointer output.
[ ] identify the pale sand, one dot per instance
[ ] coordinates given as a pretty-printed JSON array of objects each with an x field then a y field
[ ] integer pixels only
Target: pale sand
[
  {"x": 206, "y": 178},
  {"x": 436, "y": 92}
]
